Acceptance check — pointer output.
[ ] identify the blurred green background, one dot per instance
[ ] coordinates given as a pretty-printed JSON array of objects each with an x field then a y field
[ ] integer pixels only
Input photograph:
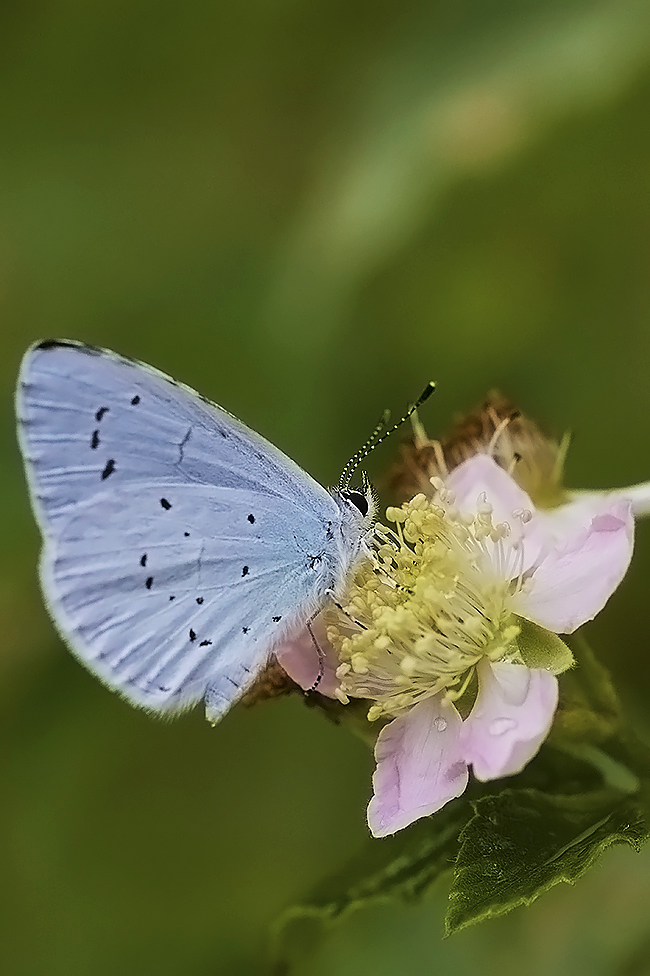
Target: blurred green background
[{"x": 306, "y": 210}]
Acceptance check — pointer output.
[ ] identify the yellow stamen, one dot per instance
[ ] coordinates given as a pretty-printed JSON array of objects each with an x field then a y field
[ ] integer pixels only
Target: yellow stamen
[{"x": 432, "y": 602}]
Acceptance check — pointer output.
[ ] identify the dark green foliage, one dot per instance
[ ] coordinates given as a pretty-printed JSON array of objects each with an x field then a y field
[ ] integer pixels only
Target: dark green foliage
[{"x": 520, "y": 843}]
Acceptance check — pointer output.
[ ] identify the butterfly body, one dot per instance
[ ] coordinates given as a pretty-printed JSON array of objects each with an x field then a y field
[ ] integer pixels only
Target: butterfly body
[{"x": 180, "y": 548}]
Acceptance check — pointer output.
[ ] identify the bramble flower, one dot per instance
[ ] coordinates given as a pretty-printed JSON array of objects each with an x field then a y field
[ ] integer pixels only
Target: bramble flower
[{"x": 449, "y": 632}]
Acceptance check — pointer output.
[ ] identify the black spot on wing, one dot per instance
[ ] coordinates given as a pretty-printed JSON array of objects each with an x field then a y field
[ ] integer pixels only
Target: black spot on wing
[
  {"x": 109, "y": 469},
  {"x": 95, "y": 439},
  {"x": 244, "y": 571},
  {"x": 192, "y": 635},
  {"x": 251, "y": 519},
  {"x": 165, "y": 504},
  {"x": 135, "y": 400},
  {"x": 100, "y": 413},
  {"x": 149, "y": 582}
]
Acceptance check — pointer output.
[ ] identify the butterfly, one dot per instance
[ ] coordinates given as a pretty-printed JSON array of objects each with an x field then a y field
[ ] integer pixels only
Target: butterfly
[{"x": 179, "y": 547}]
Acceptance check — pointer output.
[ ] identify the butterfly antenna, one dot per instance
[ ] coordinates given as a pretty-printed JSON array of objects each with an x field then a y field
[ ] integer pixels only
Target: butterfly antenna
[
  {"x": 361, "y": 453},
  {"x": 379, "y": 434}
]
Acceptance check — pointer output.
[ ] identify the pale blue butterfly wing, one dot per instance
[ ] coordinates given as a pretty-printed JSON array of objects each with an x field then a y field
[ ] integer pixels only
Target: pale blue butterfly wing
[{"x": 180, "y": 547}]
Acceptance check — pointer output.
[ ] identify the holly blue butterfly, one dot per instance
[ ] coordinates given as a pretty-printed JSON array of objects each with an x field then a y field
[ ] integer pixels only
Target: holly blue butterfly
[{"x": 179, "y": 547}]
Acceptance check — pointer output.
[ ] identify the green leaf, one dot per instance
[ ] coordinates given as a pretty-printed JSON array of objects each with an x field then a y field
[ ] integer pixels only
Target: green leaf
[
  {"x": 540, "y": 648},
  {"x": 522, "y": 842}
]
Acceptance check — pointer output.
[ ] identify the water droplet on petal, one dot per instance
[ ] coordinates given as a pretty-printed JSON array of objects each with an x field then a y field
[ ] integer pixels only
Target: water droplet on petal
[
  {"x": 502, "y": 725},
  {"x": 440, "y": 724}
]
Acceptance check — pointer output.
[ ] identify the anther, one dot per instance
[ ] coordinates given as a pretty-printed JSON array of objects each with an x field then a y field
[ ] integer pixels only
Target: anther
[{"x": 483, "y": 506}]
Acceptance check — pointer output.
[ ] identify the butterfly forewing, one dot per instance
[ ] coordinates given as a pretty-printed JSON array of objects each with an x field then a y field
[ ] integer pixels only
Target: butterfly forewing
[
  {"x": 89, "y": 417},
  {"x": 180, "y": 546}
]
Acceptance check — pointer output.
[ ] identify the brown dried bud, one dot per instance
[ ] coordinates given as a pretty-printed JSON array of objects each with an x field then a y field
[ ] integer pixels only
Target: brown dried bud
[{"x": 497, "y": 428}]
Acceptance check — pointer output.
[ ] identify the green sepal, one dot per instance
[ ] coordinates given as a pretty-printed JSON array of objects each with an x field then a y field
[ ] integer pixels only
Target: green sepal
[
  {"x": 540, "y": 648},
  {"x": 589, "y": 709}
]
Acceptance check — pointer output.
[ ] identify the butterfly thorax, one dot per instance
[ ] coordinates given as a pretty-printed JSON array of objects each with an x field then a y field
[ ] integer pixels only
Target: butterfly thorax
[{"x": 355, "y": 530}]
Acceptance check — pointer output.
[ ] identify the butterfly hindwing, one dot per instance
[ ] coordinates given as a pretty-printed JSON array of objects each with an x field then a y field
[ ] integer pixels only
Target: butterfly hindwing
[{"x": 179, "y": 546}]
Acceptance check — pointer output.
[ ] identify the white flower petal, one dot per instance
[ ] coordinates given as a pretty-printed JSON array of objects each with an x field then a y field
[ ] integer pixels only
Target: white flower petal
[
  {"x": 481, "y": 474},
  {"x": 573, "y": 581},
  {"x": 637, "y": 495},
  {"x": 419, "y": 766},
  {"x": 511, "y": 718}
]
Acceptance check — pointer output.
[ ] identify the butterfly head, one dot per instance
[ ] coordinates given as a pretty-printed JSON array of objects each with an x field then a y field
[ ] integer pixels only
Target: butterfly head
[
  {"x": 359, "y": 505},
  {"x": 361, "y": 500}
]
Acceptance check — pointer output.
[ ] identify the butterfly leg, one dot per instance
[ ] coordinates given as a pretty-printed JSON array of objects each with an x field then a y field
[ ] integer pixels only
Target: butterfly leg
[
  {"x": 332, "y": 596},
  {"x": 321, "y": 657}
]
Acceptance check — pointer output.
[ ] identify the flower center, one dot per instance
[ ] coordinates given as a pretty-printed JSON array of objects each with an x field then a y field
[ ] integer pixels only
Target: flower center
[{"x": 433, "y": 600}]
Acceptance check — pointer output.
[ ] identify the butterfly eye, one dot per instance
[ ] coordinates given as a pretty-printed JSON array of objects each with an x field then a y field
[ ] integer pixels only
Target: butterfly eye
[{"x": 358, "y": 499}]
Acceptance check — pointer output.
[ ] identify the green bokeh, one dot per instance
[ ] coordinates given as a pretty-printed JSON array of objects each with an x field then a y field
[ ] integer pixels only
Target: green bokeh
[{"x": 306, "y": 210}]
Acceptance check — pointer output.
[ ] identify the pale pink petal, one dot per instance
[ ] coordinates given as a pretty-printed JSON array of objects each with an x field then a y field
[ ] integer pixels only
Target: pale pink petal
[
  {"x": 637, "y": 495},
  {"x": 573, "y": 517},
  {"x": 302, "y": 662},
  {"x": 511, "y": 718},
  {"x": 574, "y": 581},
  {"x": 481, "y": 474},
  {"x": 419, "y": 766}
]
